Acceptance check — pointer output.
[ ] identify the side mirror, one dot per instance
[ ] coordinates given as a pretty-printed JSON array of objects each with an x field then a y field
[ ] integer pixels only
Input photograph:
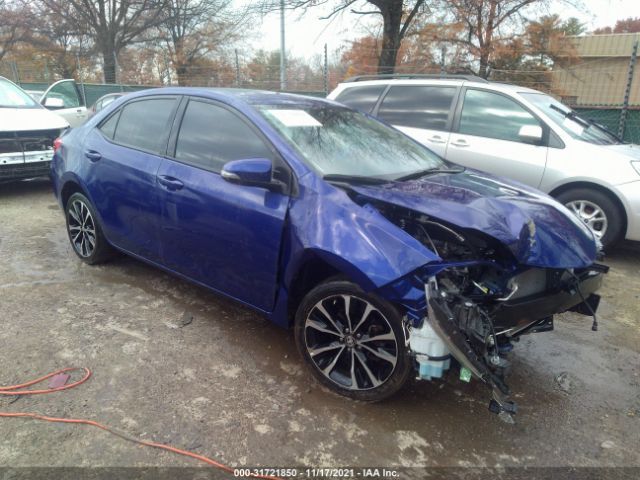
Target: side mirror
[
  {"x": 531, "y": 133},
  {"x": 255, "y": 172},
  {"x": 53, "y": 103}
]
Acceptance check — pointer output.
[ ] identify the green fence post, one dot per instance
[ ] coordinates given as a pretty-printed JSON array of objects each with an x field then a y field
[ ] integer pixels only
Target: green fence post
[{"x": 627, "y": 91}]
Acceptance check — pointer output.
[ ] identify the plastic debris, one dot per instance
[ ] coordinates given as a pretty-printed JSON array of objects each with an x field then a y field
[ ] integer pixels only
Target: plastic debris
[{"x": 59, "y": 380}]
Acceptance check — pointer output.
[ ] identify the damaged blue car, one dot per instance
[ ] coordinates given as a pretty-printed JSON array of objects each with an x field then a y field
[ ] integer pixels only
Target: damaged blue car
[{"x": 388, "y": 261}]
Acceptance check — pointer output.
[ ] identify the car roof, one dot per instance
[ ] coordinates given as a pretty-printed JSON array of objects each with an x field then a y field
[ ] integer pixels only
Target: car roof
[
  {"x": 498, "y": 86},
  {"x": 247, "y": 96}
]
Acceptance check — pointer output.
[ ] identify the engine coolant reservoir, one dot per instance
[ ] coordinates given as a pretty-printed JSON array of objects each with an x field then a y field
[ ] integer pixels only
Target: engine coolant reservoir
[{"x": 431, "y": 353}]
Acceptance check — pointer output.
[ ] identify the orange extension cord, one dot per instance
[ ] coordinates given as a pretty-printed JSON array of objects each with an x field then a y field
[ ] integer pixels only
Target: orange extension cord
[{"x": 19, "y": 390}]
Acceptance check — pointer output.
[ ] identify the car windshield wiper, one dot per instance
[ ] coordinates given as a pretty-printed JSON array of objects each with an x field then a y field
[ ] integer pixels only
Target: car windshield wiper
[
  {"x": 605, "y": 129},
  {"x": 339, "y": 178},
  {"x": 572, "y": 115},
  {"x": 585, "y": 122},
  {"x": 429, "y": 171}
]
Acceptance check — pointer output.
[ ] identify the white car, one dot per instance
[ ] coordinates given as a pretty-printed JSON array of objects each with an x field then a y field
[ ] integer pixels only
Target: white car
[
  {"x": 513, "y": 132},
  {"x": 27, "y": 133},
  {"x": 64, "y": 99}
]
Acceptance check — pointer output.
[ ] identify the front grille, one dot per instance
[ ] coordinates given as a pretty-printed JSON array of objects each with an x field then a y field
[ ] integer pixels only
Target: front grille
[
  {"x": 26, "y": 141},
  {"x": 24, "y": 170}
]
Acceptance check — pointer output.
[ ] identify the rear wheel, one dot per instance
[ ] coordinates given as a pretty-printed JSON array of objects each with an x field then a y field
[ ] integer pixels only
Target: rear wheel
[
  {"x": 598, "y": 212},
  {"x": 85, "y": 233},
  {"x": 352, "y": 341}
]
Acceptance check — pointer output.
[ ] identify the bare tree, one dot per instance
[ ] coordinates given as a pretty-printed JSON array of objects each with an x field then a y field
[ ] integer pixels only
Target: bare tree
[
  {"x": 12, "y": 28},
  {"x": 60, "y": 39},
  {"x": 484, "y": 23},
  {"x": 112, "y": 24},
  {"x": 193, "y": 29},
  {"x": 397, "y": 18}
]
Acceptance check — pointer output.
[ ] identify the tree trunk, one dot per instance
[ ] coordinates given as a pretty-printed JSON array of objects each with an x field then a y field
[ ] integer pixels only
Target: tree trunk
[
  {"x": 484, "y": 64},
  {"x": 486, "y": 41},
  {"x": 184, "y": 79},
  {"x": 109, "y": 65},
  {"x": 391, "y": 39},
  {"x": 181, "y": 63}
]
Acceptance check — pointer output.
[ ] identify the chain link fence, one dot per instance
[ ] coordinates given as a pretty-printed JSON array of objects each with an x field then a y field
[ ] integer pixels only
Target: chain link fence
[{"x": 600, "y": 78}]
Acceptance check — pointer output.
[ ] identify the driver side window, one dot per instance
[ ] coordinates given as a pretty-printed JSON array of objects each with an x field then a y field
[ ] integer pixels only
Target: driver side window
[
  {"x": 488, "y": 114},
  {"x": 211, "y": 136}
]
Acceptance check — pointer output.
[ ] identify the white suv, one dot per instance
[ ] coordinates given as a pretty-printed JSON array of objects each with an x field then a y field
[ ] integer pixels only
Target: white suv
[
  {"x": 27, "y": 133},
  {"x": 514, "y": 132}
]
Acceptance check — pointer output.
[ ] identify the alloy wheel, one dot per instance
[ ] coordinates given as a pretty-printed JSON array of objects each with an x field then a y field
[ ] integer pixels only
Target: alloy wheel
[
  {"x": 82, "y": 229},
  {"x": 351, "y": 342},
  {"x": 591, "y": 214}
]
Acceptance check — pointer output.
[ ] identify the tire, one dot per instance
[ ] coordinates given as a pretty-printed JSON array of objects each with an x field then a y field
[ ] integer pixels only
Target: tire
[
  {"x": 84, "y": 231},
  {"x": 585, "y": 203},
  {"x": 331, "y": 342}
]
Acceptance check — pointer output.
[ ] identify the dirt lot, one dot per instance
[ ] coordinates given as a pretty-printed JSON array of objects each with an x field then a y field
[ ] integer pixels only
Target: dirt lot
[{"x": 177, "y": 364}]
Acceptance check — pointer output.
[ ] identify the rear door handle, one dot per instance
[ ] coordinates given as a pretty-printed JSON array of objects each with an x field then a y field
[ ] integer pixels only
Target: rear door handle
[
  {"x": 93, "y": 155},
  {"x": 436, "y": 139},
  {"x": 460, "y": 143},
  {"x": 170, "y": 183}
]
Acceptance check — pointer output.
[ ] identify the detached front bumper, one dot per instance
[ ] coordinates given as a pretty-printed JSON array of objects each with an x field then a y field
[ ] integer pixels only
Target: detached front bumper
[{"x": 479, "y": 337}]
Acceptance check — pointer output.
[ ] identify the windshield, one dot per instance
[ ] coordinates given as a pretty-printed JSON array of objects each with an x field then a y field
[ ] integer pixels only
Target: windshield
[
  {"x": 337, "y": 141},
  {"x": 576, "y": 126},
  {"x": 12, "y": 96}
]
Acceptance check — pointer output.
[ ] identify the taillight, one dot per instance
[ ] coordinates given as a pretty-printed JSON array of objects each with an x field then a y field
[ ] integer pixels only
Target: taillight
[{"x": 57, "y": 143}]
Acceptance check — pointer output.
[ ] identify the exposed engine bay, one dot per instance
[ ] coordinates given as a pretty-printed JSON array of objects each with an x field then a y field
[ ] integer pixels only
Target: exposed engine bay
[{"x": 479, "y": 300}]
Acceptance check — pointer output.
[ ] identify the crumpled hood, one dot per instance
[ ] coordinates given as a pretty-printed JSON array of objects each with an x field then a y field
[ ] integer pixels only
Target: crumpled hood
[
  {"x": 537, "y": 229},
  {"x": 19, "y": 119}
]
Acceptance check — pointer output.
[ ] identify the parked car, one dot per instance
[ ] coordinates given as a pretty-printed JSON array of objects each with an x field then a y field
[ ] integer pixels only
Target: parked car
[
  {"x": 27, "y": 132},
  {"x": 65, "y": 99},
  {"x": 103, "y": 101},
  {"x": 323, "y": 218},
  {"x": 514, "y": 132}
]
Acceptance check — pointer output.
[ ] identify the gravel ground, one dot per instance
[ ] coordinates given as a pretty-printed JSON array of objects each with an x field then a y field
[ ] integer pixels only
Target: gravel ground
[{"x": 177, "y": 364}]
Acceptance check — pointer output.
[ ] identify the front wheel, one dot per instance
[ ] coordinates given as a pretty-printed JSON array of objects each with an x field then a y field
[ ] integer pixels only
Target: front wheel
[
  {"x": 598, "y": 212},
  {"x": 84, "y": 230},
  {"x": 353, "y": 341}
]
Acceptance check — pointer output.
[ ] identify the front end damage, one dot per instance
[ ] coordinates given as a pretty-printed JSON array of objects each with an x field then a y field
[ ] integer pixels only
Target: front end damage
[
  {"x": 26, "y": 154},
  {"x": 479, "y": 299}
]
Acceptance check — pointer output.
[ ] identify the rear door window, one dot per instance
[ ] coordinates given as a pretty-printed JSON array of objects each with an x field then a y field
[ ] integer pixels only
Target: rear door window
[
  {"x": 144, "y": 124},
  {"x": 361, "y": 98},
  {"x": 210, "y": 136},
  {"x": 419, "y": 106},
  {"x": 108, "y": 128}
]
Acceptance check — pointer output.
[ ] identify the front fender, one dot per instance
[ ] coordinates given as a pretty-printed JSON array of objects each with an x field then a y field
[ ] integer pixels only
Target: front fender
[
  {"x": 324, "y": 223},
  {"x": 356, "y": 240}
]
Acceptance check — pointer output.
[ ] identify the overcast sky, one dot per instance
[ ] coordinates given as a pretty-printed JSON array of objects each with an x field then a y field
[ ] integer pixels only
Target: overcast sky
[{"x": 306, "y": 36}]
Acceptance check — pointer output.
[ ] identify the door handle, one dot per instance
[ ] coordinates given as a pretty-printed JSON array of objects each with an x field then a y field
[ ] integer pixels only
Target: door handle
[
  {"x": 93, "y": 155},
  {"x": 436, "y": 139},
  {"x": 170, "y": 183},
  {"x": 460, "y": 142}
]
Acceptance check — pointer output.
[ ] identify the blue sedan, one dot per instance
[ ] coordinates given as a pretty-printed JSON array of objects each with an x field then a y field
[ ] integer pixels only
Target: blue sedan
[{"x": 388, "y": 261}]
